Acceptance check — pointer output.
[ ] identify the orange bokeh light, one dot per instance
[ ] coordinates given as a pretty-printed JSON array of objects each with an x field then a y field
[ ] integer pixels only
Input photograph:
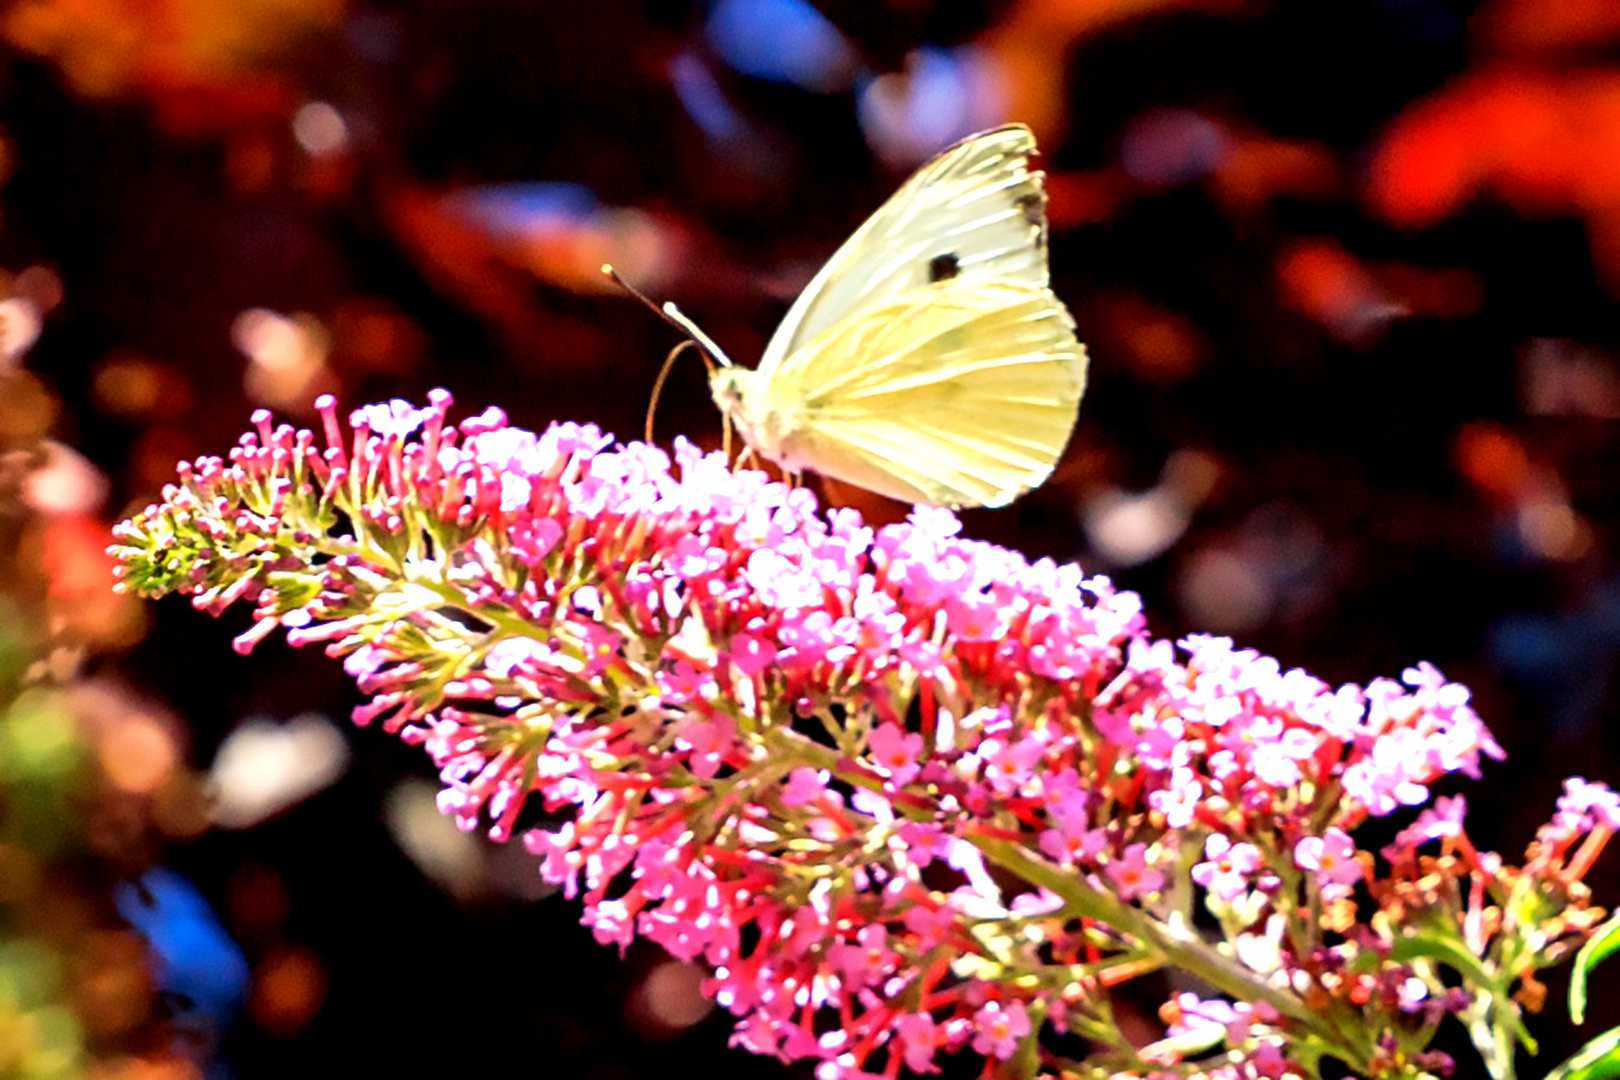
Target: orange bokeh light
[
  {"x": 288, "y": 989},
  {"x": 1493, "y": 459},
  {"x": 138, "y": 754}
]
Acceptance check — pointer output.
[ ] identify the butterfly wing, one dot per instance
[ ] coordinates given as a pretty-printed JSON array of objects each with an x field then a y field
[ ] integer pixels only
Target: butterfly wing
[
  {"x": 975, "y": 210},
  {"x": 959, "y": 393}
]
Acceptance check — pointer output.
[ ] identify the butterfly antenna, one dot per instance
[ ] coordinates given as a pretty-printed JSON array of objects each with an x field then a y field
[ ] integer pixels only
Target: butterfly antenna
[
  {"x": 673, "y": 315},
  {"x": 705, "y": 345}
]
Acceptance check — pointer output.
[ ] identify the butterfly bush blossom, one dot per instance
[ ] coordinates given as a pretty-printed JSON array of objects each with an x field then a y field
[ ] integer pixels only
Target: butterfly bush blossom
[{"x": 902, "y": 793}]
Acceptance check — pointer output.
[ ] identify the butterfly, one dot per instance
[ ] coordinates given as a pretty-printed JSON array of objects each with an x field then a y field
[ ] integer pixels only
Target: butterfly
[{"x": 928, "y": 361}]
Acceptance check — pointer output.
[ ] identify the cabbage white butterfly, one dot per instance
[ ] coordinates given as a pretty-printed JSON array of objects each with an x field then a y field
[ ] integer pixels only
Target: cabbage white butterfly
[{"x": 928, "y": 360}]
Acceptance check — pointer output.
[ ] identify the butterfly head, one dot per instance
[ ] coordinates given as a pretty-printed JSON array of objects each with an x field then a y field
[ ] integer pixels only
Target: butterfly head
[
  {"x": 743, "y": 396},
  {"x": 726, "y": 384}
]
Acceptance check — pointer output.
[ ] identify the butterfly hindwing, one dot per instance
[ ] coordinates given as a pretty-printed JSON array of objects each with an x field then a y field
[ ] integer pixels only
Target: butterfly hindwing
[
  {"x": 960, "y": 393},
  {"x": 976, "y": 210}
]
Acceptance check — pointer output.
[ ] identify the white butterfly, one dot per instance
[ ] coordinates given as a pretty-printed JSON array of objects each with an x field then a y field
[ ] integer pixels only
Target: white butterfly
[{"x": 928, "y": 360}]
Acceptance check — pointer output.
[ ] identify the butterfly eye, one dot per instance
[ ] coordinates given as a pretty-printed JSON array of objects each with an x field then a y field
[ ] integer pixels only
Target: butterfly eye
[{"x": 943, "y": 267}]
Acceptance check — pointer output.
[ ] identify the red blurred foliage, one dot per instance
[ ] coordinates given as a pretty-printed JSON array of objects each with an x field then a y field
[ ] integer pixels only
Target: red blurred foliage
[
  {"x": 72, "y": 551},
  {"x": 1322, "y": 281},
  {"x": 1254, "y": 167},
  {"x": 1544, "y": 142},
  {"x": 1354, "y": 299},
  {"x": 1533, "y": 25},
  {"x": 1440, "y": 293},
  {"x": 1494, "y": 460},
  {"x": 188, "y": 105},
  {"x": 1085, "y": 198},
  {"x": 1161, "y": 346},
  {"x": 203, "y": 63},
  {"x": 1258, "y": 167},
  {"x": 459, "y": 259},
  {"x": 1032, "y": 41}
]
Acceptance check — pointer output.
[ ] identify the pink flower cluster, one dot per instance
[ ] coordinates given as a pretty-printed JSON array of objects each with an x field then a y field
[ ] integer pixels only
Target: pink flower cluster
[{"x": 901, "y": 791}]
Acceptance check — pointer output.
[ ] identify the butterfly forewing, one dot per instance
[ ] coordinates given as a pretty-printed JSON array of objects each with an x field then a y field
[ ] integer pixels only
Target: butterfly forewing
[
  {"x": 959, "y": 393},
  {"x": 975, "y": 211},
  {"x": 927, "y": 361}
]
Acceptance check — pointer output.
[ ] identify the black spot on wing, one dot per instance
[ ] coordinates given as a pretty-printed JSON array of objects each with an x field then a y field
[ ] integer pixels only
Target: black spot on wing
[{"x": 943, "y": 267}]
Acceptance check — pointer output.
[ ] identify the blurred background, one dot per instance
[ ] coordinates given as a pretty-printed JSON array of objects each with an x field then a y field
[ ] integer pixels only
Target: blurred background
[{"x": 1348, "y": 270}]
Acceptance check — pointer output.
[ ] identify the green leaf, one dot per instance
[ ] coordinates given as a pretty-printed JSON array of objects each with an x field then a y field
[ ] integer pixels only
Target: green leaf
[
  {"x": 1433, "y": 946},
  {"x": 1447, "y": 950},
  {"x": 1598, "y": 948},
  {"x": 1597, "y": 1060}
]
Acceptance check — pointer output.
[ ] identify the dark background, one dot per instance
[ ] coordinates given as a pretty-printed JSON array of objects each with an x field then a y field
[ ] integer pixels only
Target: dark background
[{"x": 1347, "y": 269}]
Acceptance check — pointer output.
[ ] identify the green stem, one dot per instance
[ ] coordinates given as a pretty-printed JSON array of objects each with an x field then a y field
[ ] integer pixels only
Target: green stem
[{"x": 1178, "y": 948}]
